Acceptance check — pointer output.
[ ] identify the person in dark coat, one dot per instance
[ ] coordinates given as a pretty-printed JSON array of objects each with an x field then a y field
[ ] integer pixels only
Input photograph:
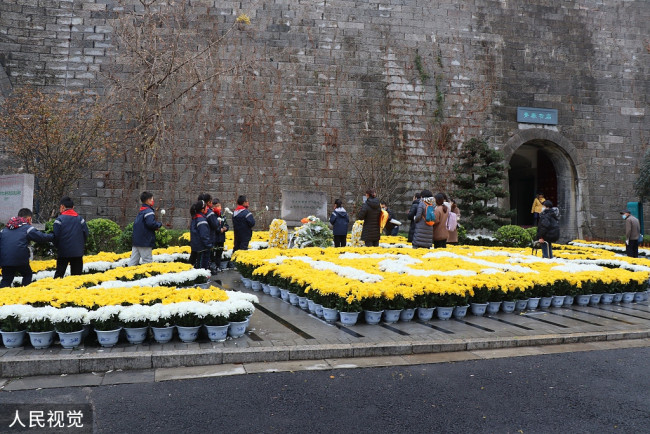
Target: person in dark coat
[
  {"x": 70, "y": 234},
  {"x": 242, "y": 223},
  {"x": 144, "y": 231},
  {"x": 370, "y": 213},
  {"x": 220, "y": 238},
  {"x": 411, "y": 215},
  {"x": 200, "y": 238},
  {"x": 423, "y": 235},
  {"x": 339, "y": 220},
  {"x": 548, "y": 228},
  {"x": 14, "y": 247}
]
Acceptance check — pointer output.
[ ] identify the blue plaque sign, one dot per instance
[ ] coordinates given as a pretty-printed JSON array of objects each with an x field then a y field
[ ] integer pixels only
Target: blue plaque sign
[{"x": 532, "y": 115}]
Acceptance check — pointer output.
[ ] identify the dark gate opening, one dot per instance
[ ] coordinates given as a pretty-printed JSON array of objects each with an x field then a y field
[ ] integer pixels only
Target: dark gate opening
[{"x": 531, "y": 171}]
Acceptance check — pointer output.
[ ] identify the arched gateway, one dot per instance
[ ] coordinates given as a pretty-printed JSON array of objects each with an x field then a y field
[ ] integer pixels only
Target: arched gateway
[{"x": 543, "y": 160}]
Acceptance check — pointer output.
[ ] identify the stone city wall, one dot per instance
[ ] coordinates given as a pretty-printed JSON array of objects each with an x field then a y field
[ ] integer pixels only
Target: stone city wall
[{"x": 334, "y": 80}]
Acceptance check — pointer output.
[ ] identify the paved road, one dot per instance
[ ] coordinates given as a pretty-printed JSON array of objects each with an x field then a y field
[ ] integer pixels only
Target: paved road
[{"x": 596, "y": 391}]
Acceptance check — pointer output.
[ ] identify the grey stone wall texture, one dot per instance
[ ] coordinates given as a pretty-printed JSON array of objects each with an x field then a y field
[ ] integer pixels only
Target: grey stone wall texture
[{"x": 333, "y": 81}]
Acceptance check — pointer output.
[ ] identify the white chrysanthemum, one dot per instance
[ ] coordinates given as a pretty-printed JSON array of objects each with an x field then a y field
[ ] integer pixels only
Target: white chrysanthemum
[{"x": 70, "y": 315}]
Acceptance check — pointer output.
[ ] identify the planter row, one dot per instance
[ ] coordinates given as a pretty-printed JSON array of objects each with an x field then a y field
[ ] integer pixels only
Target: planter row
[
  {"x": 109, "y": 338},
  {"x": 390, "y": 316}
]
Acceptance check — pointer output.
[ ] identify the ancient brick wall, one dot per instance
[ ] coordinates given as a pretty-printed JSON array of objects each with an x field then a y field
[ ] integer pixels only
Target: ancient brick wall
[{"x": 338, "y": 79}]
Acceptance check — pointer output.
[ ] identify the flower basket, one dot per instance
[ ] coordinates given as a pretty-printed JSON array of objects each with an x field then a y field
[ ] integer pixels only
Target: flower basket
[
  {"x": 278, "y": 234},
  {"x": 313, "y": 233}
]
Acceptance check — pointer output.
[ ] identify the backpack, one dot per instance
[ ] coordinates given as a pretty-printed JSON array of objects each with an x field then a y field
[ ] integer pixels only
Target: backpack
[
  {"x": 452, "y": 221},
  {"x": 430, "y": 215}
]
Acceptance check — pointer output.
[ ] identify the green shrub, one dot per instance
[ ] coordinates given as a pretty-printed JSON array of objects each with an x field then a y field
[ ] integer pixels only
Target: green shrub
[
  {"x": 102, "y": 236},
  {"x": 513, "y": 236},
  {"x": 462, "y": 235},
  {"x": 125, "y": 241},
  {"x": 163, "y": 237},
  {"x": 45, "y": 251},
  {"x": 176, "y": 237},
  {"x": 532, "y": 231}
]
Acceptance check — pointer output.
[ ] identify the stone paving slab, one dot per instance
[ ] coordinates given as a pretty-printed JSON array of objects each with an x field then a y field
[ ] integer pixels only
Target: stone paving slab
[{"x": 281, "y": 333}]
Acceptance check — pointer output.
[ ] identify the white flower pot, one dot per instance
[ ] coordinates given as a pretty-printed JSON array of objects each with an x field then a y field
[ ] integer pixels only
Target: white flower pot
[
  {"x": 237, "y": 329},
  {"x": 188, "y": 334},
  {"x": 41, "y": 340},
  {"x": 136, "y": 335},
  {"x": 71, "y": 339},
  {"x": 108, "y": 338},
  {"x": 330, "y": 315},
  {"x": 162, "y": 335},
  {"x": 349, "y": 318},
  {"x": 13, "y": 339},
  {"x": 217, "y": 333}
]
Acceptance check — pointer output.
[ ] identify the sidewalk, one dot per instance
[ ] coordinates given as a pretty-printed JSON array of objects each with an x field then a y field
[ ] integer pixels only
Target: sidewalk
[{"x": 279, "y": 332}]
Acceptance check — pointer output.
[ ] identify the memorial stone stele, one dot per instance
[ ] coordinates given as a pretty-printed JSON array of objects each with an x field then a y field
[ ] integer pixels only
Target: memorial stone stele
[
  {"x": 16, "y": 192},
  {"x": 297, "y": 205}
]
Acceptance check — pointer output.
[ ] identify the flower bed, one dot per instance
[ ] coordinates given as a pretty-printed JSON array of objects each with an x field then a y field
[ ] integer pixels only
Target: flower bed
[
  {"x": 157, "y": 294},
  {"x": 397, "y": 278}
]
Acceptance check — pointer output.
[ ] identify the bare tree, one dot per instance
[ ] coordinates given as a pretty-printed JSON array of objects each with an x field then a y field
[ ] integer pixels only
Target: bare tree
[
  {"x": 166, "y": 61},
  {"x": 55, "y": 137}
]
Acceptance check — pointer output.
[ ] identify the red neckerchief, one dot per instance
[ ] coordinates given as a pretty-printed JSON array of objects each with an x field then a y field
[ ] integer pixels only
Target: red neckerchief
[
  {"x": 143, "y": 207},
  {"x": 70, "y": 212},
  {"x": 197, "y": 216},
  {"x": 16, "y": 222},
  {"x": 217, "y": 212},
  {"x": 240, "y": 207}
]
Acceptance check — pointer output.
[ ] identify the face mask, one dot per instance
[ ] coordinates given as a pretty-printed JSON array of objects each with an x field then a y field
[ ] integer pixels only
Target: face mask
[{"x": 623, "y": 216}]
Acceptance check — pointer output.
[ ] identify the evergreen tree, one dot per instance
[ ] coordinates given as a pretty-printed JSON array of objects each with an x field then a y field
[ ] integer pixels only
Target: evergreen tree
[
  {"x": 642, "y": 183},
  {"x": 479, "y": 178}
]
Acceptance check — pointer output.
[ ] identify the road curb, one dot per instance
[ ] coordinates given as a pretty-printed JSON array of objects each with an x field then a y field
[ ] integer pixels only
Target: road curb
[{"x": 25, "y": 366}]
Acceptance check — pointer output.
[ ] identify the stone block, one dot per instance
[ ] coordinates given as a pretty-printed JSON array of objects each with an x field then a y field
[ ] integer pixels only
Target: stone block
[
  {"x": 310, "y": 352},
  {"x": 384, "y": 349},
  {"x": 166, "y": 359},
  {"x": 38, "y": 365},
  {"x": 248, "y": 355},
  {"x": 114, "y": 361}
]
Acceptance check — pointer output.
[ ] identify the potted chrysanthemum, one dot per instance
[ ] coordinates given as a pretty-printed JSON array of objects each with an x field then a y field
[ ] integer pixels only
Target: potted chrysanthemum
[
  {"x": 106, "y": 322},
  {"x": 216, "y": 321},
  {"x": 188, "y": 317},
  {"x": 239, "y": 314},
  {"x": 161, "y": 320},
  {"x": 135, "y": 319},
  {"x": 40, "y": 327},
  {"x": 69, "y": 324},
  {"x": 12, "y": 326}
]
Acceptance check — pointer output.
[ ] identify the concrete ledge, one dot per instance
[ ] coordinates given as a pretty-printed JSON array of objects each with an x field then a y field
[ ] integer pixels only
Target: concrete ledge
[
  {"x": 39, "y": 365},
  {"x": 249, "y": 355},
  {"x": 115, "y": 361},
  {"x": 171, "y": 359},
  {"x": 24, "y": 364},
  {"x": 311, "y": 352}
]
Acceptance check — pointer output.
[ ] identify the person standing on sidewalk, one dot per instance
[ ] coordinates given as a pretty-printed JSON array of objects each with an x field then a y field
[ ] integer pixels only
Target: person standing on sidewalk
[
  {"x": 548, "y": 229},
  {"x": 242, "y": 223},
  {"x": 70, "y": 234},
  {"x": 632, "y": 234},
  {"x": 411, "y": 216},
  {"x": 339, "y": 220},
  {"x": 370, "y": 213},
  {"x": 14, "y": 247},
  {"x": 144, "y": 231}
]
